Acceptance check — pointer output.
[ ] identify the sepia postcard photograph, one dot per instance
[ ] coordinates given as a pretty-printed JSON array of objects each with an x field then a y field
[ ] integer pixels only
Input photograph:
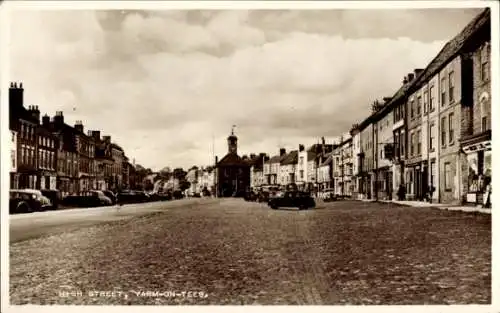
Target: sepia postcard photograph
[{"x": 317, "y": 155}]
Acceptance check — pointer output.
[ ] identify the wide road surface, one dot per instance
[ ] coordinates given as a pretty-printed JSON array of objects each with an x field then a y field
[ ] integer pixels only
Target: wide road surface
[
  {"x": 33, "y": 225},
  {"x": 229, "y": 251}
]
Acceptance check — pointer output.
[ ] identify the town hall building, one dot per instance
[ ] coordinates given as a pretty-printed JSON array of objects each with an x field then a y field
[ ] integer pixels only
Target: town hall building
[{"x": 233, "y": 173}]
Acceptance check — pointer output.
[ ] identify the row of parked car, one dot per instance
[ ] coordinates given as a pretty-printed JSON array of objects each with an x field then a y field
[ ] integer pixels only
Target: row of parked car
[
  {"x": 278, "y": 197},
  {"x": 32, "y": 200}
]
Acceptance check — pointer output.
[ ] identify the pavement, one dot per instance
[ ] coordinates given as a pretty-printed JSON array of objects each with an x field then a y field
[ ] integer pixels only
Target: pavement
[
  {"x": 442, "y": 206},
  {"x": 228, "y": 251}
]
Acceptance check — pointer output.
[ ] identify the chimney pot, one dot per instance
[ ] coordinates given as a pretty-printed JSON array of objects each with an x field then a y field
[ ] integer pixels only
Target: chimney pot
[
  {"x": 21, "y": 85},
  {"x": 45, "y": 120},
  {"x": 411, "y": 76},
  {"x": 11, "y": 84}
]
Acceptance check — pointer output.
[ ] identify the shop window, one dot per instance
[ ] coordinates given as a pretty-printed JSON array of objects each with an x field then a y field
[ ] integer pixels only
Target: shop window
[{"x": 473, "y": 175}]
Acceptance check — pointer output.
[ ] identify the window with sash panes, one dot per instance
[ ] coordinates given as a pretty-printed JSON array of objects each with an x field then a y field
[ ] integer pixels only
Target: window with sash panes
[
  {"x": 443, "y": 91},
  {"x": 426, "y": 95},
  {"x": 443, "y": 131},
  {"x": 451, "y": 133},
  {"x": 431, "y": 137},
  {"x": 419, "y": 142},
  {"x": 451, "y": 86},
  {"x": 431, "y": 99}
]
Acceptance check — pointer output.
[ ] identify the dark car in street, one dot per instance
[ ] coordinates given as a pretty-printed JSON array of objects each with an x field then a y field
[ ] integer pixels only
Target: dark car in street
[
  {"x": 27, "y": 200},
  {"x": 178, "y": 195},
  {"x": 132, "y": 196},
  {"x": 54, "y": 196},
  {"x": 263, "y": 196},
  {"x": 86, "y": 199},
  {"x": 294, "y": 199},
  {"x": 250, "y": 195},
  {"x": 111, "y": 195}
]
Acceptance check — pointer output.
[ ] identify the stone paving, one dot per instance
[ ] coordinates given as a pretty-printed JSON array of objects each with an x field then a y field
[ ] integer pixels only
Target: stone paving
[{"x": 236, "y": 252}]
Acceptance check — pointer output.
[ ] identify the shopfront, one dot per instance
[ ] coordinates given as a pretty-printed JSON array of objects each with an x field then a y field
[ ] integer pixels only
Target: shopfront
[{"x": 479, "y": 170}]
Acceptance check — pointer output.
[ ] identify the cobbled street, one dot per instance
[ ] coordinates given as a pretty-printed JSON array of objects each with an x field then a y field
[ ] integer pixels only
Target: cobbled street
[{"x": 230, "y": 251}]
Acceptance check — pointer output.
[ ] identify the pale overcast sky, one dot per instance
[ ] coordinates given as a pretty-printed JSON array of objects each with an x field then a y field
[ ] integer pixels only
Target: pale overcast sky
[{"x": 164, "y": 83}]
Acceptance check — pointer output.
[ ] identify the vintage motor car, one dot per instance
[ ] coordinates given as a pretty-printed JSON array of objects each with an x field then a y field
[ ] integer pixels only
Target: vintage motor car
[
  {"x": 28, "y": 200},
  {"x": 293, "y": 199},
  {"x": 328, "y": 195}
]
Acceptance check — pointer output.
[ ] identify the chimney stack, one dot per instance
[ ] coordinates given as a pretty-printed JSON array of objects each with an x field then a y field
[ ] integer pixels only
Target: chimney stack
[
  {"x": 96, "y": 134},
  {"x": 417, "y": 71},
  {"x": 16, "y": 95},
  {"x": 252, "y": 156},
  {"x": 282, "y": 151},
  {"x": 45, "y": 120},
  {"x": 411, "y": 76},
  {"x": 59, "y": 118},
  {"x": 35, "y": 112},
  {"x": 79, "y": 126},
  {"x": 106, "y": 139},
  {"x": 386, "y": 99},
  {"x": 301, "y": 148}
]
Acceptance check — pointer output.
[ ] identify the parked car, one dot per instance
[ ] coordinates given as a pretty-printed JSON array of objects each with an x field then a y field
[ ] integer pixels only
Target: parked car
[
  {"x": 250, "y": 196},
  {"x": 93, "y": 198},
  {"x": 132, "y": 196},
  {"x": 178, "y": 194},
  {"x": 297, "y": 199},
  {"x": 263, "y": 196},
  {"x": 54, "y": 196},
  {"x": 27, "y": 200},
  {"x": 111, "y": 195},
  {"x": 328, "y": 195},
  {"x": 101, "y": 197}
]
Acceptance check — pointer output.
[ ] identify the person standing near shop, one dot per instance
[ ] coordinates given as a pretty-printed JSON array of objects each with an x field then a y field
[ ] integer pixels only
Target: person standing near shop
[{"x": 487, "y": 194}]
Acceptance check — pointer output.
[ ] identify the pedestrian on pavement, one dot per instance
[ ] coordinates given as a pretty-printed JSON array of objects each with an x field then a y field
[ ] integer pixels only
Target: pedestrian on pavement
[
  {"x": 487, "y": 195},
  {"x": 431, "y": 192},
  {"x": 401, "y": 192},
  {"x": 119, "y": 202}
]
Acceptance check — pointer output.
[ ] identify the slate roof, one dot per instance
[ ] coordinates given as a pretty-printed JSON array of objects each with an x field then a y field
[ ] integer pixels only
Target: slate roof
[
  {"x": 276, "y": 159},
  {"x": 290, "y": 158},
  {"x": 328, "y": 159},
  {"x": 447, "y": 53},
  {"x": 232, "y": 159}
]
